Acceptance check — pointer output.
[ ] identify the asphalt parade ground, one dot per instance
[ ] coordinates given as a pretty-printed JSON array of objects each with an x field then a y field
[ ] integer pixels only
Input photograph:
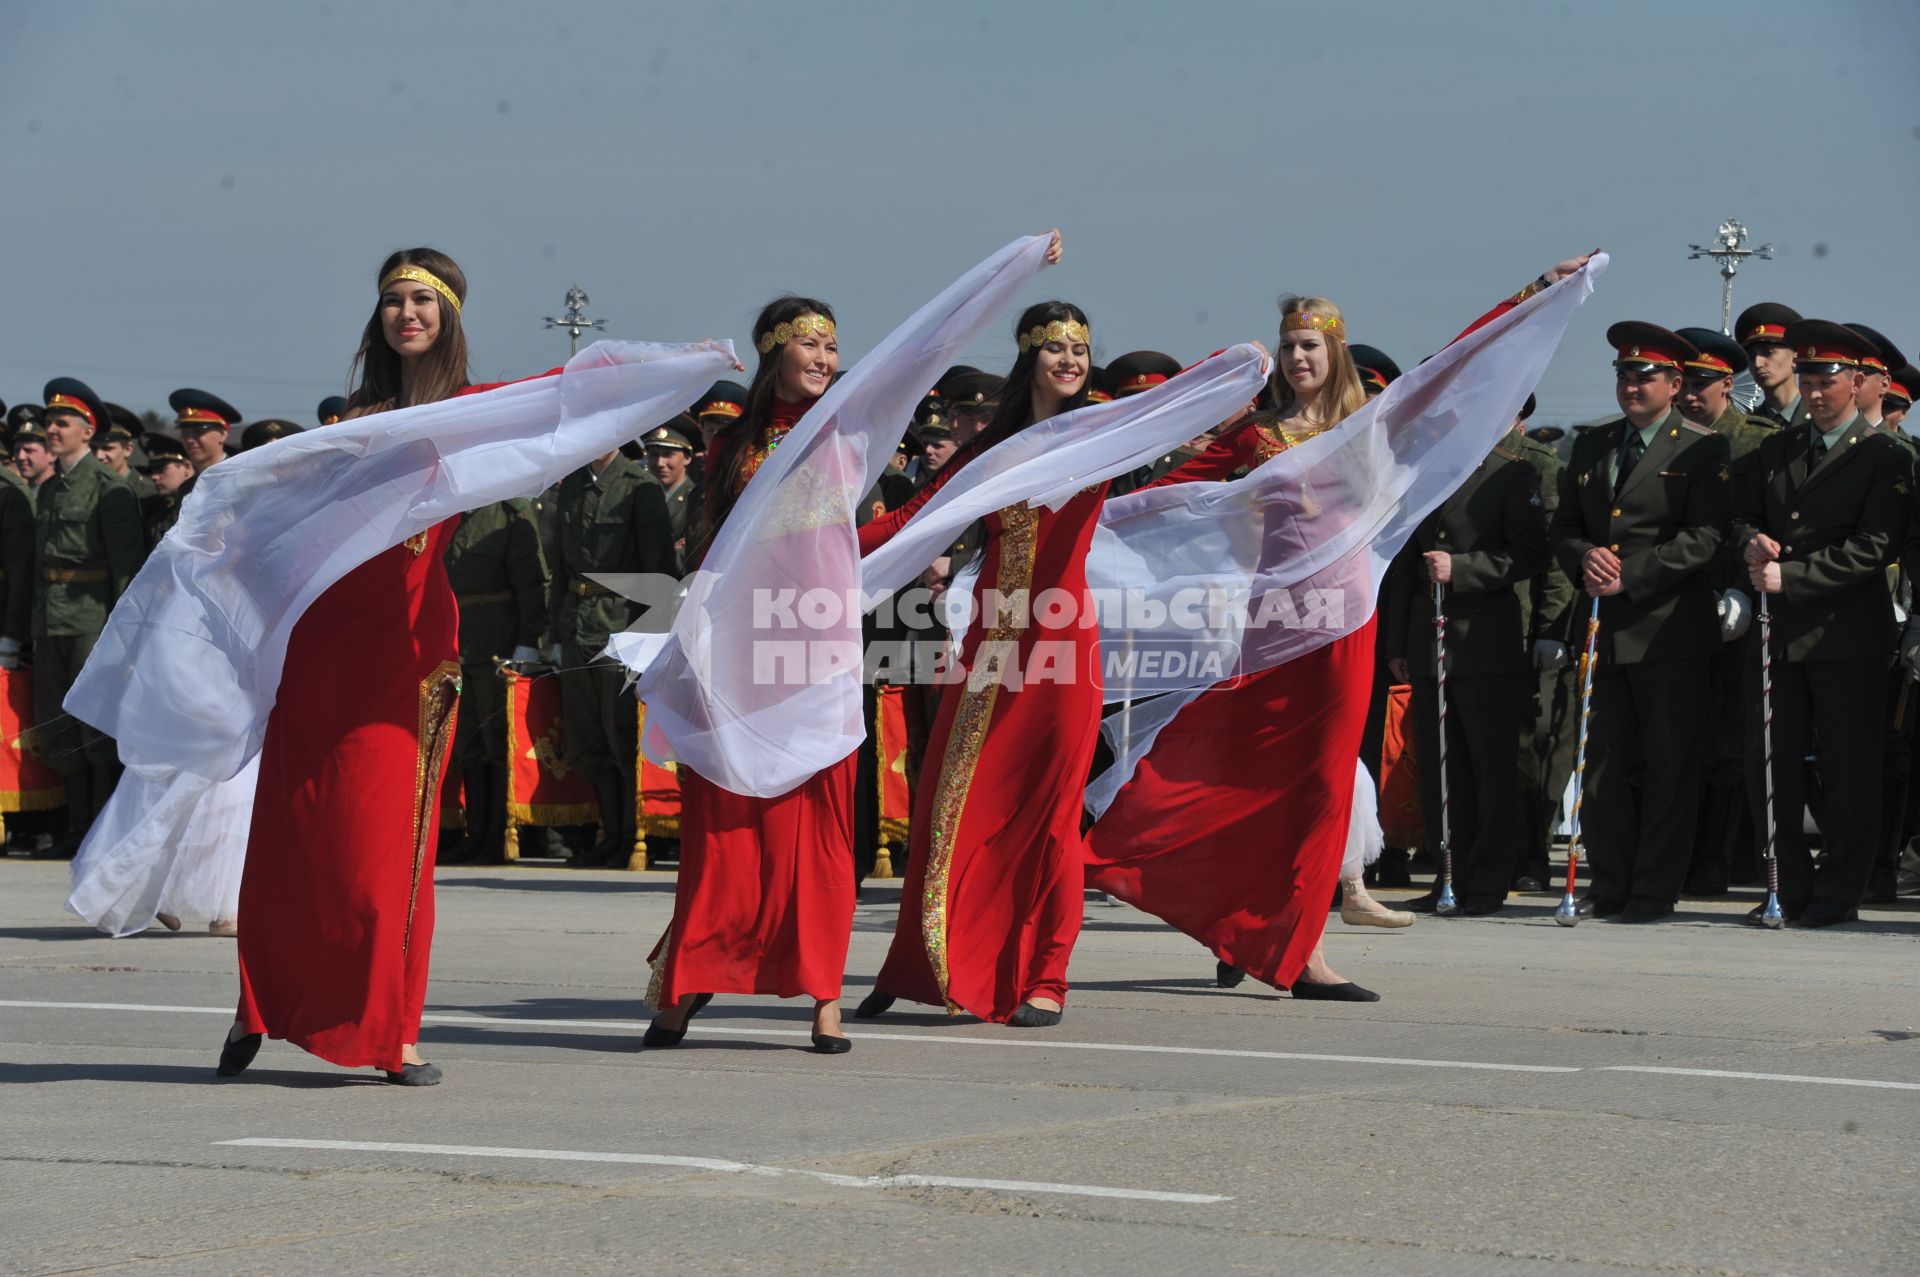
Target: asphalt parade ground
[{"x": 1694, "y": 1096}]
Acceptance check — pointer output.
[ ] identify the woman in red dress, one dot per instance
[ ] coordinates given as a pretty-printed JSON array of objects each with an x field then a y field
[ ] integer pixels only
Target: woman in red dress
[
  {"x": 1234, "y": 826},
  {"x": 764, "y": 902},
  {"x": 338, "y": 884},
  {"x": 992, "y": 902}
]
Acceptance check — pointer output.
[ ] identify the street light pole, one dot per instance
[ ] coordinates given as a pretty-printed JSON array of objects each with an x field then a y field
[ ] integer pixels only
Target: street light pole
[
  {"x": 575, "y": 319},
  {"x": 1729, "y": 249}
]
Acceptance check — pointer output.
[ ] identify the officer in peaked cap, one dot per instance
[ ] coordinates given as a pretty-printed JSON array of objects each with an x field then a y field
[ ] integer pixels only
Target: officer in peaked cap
[
  {"x": 1761, "y": 331},
  {"x": 266, "y": 430},
  {"x": 719, "y": 408},
  {"x": 114, "y": 447},
  {"x": 1138, "y": 371},
  {"x": 1642, "y": 509},
  {"x": 1902, "y": 383},
  {"x": 1876, "y": 367},
  {"x": 1097, "y": 389},
  {"x": 947, "y": 387},
  {"x": 670, "y": 450},
  {"x": 332, "y": 409},
  {"x": 1817, "y": 523},
  {"x": 934, "y": 429},
  {"x": 203, "y": 422},
  {"x": 1377, "y": 371},
  {"x": 88, "y": 544},
  {"x": 971, "y": 401},
  {"x": 170, "y": 472}
]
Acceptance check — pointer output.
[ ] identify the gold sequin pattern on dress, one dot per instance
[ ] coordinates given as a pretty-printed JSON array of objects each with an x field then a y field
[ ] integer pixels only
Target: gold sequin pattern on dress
[
  {"x": 1014, "y": 548},
  {"x": 439, "y": 695}
]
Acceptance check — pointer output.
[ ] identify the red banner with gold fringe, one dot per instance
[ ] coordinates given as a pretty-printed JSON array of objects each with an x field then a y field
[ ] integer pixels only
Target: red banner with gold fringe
[
  {"x": 657, "y": 795},
  {"x": 1400, "y": 773},
  {"x": 26, "y": 784},
  {"x": 896, "y": 795},
  {"x": 541, "y": 788}
]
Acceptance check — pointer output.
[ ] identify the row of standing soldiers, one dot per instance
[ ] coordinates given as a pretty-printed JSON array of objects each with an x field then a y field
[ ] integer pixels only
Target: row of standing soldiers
[{"x": 1667, "y": 525}]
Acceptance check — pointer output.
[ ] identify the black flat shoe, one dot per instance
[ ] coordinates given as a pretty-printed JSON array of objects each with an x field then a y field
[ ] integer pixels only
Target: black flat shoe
[
  {"x": 1029, "y": 1016},
  {"x": 415, "y": 1075},
  {"x": 1227, "y": 976},
  {"x": 1646, "y": 910},
  {"x": 657, "y": 1036},
  {"x": 828, "y": 1044},
  {"x": 1476, "y": 906},
  {"x": 237, "y": 1053},
  {"x": 1349, "y": 992},
  {"x": 1826, "y": 913},
  {"x": 1427, "y": 903},
  {"x": 873, "y": 1006}
]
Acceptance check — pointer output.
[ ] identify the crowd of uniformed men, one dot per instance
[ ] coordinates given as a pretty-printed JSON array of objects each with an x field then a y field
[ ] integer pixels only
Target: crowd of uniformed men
[{"x": 1677, "y": 518}]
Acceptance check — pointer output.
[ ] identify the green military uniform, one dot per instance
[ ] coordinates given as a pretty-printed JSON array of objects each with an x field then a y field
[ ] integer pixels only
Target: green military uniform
[
  {"x": 1494, "y": 528},
  {"x": 1657, "y": 498},
  {"x": 88, "y": 544},
  {"x": 494, "y": 566},
  {"x": 616, "y": 521},
  {"x": 1548, "y": 730}
]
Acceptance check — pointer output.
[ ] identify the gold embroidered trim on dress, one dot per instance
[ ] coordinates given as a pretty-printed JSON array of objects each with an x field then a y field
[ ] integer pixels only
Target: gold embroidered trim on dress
[
  {"x": 439, "y": 696},
  {"x": 1015, "y": 547}
]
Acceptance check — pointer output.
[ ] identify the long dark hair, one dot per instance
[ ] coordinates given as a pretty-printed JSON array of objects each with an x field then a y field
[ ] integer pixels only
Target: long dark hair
[
  {"x": 442, "y": 370},
  {"x": 735, "y": 442},
  {"x": 1016, "y": 397}
]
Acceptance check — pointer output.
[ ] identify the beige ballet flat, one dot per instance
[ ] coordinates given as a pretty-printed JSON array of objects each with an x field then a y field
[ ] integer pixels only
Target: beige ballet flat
[
  {"x": 229, "y": 928},
  {"x": 1358, "y": 909}
]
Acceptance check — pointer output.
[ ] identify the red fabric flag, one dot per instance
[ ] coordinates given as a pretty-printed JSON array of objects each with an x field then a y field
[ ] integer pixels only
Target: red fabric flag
[
  {"x": 1400, "y": 772},
  {"x": 26, "y": 784},
  {"x": 541, "y": 788}
]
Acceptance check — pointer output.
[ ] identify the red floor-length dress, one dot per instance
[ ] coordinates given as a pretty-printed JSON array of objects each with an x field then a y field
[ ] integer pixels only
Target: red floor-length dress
[
  {"x": 992, "y": 903},
  {"x": 338, "y": 886},
  {"x": 764, "y": 902},
  {"x": 1235, "y": 823}
]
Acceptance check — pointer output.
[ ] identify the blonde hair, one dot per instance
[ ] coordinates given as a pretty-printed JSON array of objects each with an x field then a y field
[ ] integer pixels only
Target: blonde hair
[{"x": 1342, "y": 394}]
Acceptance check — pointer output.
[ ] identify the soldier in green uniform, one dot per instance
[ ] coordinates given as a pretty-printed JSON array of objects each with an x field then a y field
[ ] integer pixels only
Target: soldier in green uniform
[
  {"x": 1881, "y": 359},
  {"x": 1726, "y": 820},
  {"x": 203, "y": 421},
  {"x": 1901, "y": 385},
  {"x": 88, "y": 544},
  {"x": 494, "y": 566},
  {"x": 613, "y": 518},
  {"x": 1817, "y": 525},
  {"x": 169, "y": 471},
  {"x": 1642, "y": 514},
  {"x": 1548, "y": 730},
  {"x": 31, "y": 459},
  {"x": 669, "y": 457},
  {"x": 114, "y": 446},
  {"x": 1479, "y": 546},
  {"x": 1761, "y": 331}
]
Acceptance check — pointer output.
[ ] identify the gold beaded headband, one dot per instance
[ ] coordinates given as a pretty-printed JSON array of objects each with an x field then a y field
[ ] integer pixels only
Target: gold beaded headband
[
  {"x": 420, "y": 275},
  {"x": 785, "y": 332},
  {"x": 1308, "y": 321},
  {"x": 1063, "y": 330}
]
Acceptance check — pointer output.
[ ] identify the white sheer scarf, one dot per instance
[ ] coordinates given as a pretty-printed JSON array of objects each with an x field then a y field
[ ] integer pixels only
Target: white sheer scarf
[
  {"x": 757, "y": 686},
  {"x": 1297, "y": 549},
  {"x": 188, "y": 668}
]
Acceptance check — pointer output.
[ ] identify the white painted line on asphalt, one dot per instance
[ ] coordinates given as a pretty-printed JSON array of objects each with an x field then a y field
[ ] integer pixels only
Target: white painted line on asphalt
[
  {"x": 1131, "y": 1048},
  {"x": 1760, "y": 1077},
  {"x": 739, "y": 1168}
]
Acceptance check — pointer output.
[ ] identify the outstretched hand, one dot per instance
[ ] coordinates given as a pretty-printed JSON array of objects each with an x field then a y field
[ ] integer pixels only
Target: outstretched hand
[
  {"x": 1053, "y": 247},
  {"x": 1558, "y": 272}
]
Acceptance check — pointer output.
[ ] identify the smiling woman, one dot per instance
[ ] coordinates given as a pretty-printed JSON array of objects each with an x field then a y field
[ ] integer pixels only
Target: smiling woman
[{"x": 337, "y": 892}]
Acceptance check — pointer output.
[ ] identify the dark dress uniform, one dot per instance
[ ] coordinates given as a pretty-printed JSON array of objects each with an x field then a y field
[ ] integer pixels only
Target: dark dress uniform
[
  {"x": 1838, "y": 507},
  {"x": 1548, "y": 729},
  {"x": 494, "y": 566},
  {"x": 1658, "y": 499},
  {"x": 1764, "y": 325},
  {"x": 1728, "y": 729},
  {"x": 1131, "y": 374},
  {"x": 615, "y": 521},
  {"x": 1494, "y": 527},
  {"x": 16, "y": 561},
  {"x": 88, "y": 544}
]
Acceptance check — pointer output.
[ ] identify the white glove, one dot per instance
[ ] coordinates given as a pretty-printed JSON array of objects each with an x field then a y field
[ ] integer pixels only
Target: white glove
[
  {"x": 1549, "y": 655},
  {"x": 553, "y": 654},
  {"x": 1899, "y": 613},
  {"x": 1910, "y": 649},
  {"x": 524, "y": 655},
  {"x": 1736, "y": 614}
]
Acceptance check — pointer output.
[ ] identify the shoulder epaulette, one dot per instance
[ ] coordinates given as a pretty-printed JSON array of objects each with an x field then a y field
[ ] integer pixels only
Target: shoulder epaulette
[
  {"x": 1699, "y": 430},
  {"x": 1596, "y": 425},
  {"x": 1510, "y": 456}
]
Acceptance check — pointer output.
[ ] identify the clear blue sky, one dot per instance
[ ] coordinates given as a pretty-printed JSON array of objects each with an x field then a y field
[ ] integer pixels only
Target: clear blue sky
[{"x": 200, "y": 193}]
